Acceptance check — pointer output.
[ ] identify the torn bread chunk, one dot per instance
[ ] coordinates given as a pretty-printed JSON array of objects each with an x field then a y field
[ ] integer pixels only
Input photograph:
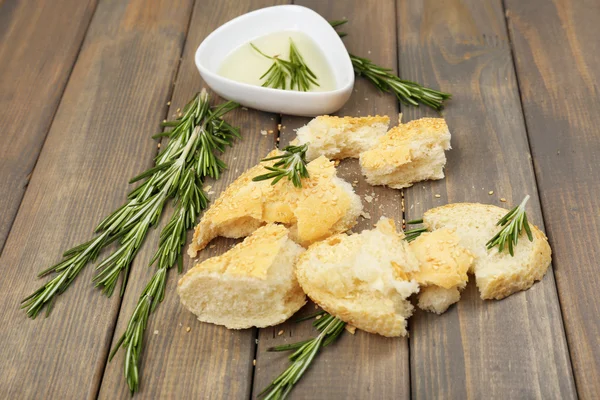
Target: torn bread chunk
[
  {"x": 341, "y": 137},
  {"x": 408, "y": 153},
  {"x": 443, "y": 266},
  {"x": 253, "y": 284},
  {"x": 325, "y": 205},
  {"x": 363, "y": 279},
  {"x": 498, "y": 274}
]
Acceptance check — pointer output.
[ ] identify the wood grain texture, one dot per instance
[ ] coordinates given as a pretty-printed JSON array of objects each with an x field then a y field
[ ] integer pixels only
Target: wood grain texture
[
  {"x": 209, "y": 361},
  {"x": 364, "y": 365},
  {"x": 39, "y": 42},
  {"x": 557, "y": 57},
  {"x": 514, "y": 348},
  {"x": 100, "y": 137}
]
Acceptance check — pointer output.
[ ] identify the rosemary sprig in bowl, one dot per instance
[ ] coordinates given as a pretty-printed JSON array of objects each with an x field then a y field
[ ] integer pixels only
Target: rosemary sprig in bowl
[
  {"x": 291, "y": 164},
  {"x": 300, "y": 76}
]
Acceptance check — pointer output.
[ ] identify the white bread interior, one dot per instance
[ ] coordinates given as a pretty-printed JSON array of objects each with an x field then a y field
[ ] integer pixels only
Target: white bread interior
[
  {"x": 408, "y": 153},
  {"x": 253, "y": 284},
  {"x": 341, "y": 137},
  {"x": 325, "y": 205},
  {"x": 497, "y": 274},
  {"x": 437, "y": 299},
  {"x": 443, "y": 266},
  {"x": 363, "y": 279}
]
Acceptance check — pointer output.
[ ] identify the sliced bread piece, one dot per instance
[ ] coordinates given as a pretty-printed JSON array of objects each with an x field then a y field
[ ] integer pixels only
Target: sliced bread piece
[
  {"x": 363, "y": 279},
  {"x": 253, "y": 284},
  {"x": 325, "y": 205},
  {"x": 341, "y": 137},
  {"x": 443, "y": 266},
  {"x": 408, "y": 153},
  {"x": 497, "y": 274}
]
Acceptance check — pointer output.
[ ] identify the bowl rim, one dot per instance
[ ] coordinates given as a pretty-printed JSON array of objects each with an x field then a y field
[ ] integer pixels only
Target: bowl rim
[{"x": 267, "y": 90}]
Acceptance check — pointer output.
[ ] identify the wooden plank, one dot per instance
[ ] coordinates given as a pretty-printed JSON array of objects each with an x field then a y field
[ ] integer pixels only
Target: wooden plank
[
  {"x": 114, "y": 101},
  {"x": 39, "y": 42},
  {"x": 363, "y": 365},
  {"x": 209, "y": 361},
  {"x": 514, "y": 348},
  {"x": 558, "y": 65}
]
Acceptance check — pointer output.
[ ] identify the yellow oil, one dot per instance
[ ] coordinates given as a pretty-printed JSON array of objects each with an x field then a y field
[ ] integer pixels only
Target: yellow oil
[{"x": 244, "y": 64}]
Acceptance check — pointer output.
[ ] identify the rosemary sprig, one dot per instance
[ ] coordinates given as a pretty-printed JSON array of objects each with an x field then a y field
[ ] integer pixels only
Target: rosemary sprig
[
  {"x": 212, "y": 134},
  {"x": 191, "y": 200},
  {"x": 300, "y": 76},
  {"x": 129, "y": 224},
  {"x": 412, "y": 234},
  {"x": 331, "y": 328},
  {"x": 407, "y": 92},
  {"x": 291, "y": 164},
  {"x": 513, "y": 223}
]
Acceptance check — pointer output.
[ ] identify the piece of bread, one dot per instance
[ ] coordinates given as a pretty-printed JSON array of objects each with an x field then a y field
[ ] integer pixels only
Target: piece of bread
[
  {"x": 363, "y": 279},
  {"x": 253, "y": 284},
  {"x": 437, "y": 299},
  {"x": 341, "y": 137},
  {"x": 325, "y": 205},
  {"x": 443, "y": 266},
  {"x": 497, "y": 274},
  {"x": 408, "y": 153}
]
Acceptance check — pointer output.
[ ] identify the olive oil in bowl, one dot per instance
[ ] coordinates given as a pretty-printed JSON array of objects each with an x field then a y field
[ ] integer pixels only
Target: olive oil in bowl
[{"x": 245, "y": 64}]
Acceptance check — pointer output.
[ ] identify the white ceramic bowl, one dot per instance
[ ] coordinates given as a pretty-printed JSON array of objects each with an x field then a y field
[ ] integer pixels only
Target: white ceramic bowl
[{"x": 228, "y": 37}]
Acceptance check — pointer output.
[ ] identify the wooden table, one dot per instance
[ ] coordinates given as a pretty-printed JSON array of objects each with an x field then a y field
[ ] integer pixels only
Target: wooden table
[{"x": 85, "y": 83}]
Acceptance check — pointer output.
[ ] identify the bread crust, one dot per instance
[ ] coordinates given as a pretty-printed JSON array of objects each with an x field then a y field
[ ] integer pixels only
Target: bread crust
[{"x": 325, "y": 205}]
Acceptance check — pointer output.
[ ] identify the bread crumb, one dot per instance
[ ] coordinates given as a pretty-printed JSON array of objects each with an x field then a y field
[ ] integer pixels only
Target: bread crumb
[
  {"x": 254, "y": 362},
  {"x": 270, "y": 131},
  {"x": 168, "y": 103},
  {"x": 365, "y": 215},
  {"x": 368, "y": 198},
  {"x": 316, "y": 307},
  {"x": 437, "y": 196},
  {"x": 212, "y": 246},
  {"x": 351, "y": 329},
  {"x": 245, "y": 108},
  {"x": 263, "y": 132},
  {"x": 156, "y": 332},
  {"x": 207, "y": 188},
  {"x": 503, "y": 200},
  {"x": 491, "y": 192},
  {"x": 188, "y": 329},
  {"x": 319, "y": 316},
  {"x": 336, "y": 163},
  {"x": 280, "y": 333},
  {"x": 180, "y": 324}
]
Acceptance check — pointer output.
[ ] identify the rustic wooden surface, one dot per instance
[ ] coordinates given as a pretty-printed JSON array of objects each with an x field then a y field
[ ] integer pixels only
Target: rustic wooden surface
[
  {"x": 558, "y": 65},
  {"x": 84, "y": 85},
  {"x": 114, "y": 100},
  {"x": 463, "y": 48},
  {"x": 38, "y": 47}
]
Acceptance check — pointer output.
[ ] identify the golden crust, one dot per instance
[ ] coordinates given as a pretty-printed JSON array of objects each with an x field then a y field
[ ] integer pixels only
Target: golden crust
[
  {"x": 352, "y": 122},
  {"x": 251, "y": 258},
  {"x": 443, "y": 261},
  {"x": 315, "y": 211},
  {"x": 395, "y": 147},
  {"x": 497, "y": 285}
]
